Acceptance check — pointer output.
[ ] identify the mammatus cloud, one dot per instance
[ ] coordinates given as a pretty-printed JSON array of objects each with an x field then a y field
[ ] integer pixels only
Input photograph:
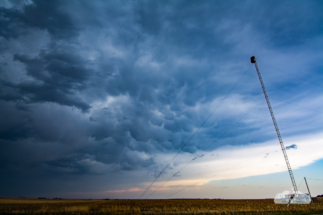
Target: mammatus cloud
[{"x": 90, "y": 91}]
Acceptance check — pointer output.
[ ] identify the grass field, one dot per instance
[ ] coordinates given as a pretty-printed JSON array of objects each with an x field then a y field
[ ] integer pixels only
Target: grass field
[{"x": 187, "y": 206}]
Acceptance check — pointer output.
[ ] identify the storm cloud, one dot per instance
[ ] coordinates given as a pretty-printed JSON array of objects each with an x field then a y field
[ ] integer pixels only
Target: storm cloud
[{"x": 99, "y": 89}]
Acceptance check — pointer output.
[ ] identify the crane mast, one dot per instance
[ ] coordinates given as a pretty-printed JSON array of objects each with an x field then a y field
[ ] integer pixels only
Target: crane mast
[{"x": 253, "y": 60}]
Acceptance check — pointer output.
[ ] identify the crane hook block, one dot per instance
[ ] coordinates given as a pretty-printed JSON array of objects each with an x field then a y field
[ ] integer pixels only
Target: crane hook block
[{"x": 253, "y": 59}]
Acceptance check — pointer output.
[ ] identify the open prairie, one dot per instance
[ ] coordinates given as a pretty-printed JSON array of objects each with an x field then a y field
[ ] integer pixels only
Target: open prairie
[{"x": 178, "y": 206}]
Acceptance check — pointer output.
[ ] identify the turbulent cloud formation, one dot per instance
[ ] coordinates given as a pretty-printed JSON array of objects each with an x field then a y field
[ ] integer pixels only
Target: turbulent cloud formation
[{"x": 99, "y": 92}]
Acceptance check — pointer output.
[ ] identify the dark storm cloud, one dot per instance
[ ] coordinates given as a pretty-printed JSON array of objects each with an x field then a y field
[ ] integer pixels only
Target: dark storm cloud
[
  {"x": 57, "y": 71},
  {"x": 95, "y": 88},
  {"x": 57, "y": 75},
  {"x": 39, "y": 14},
  {"x": 17, "y": 127}
]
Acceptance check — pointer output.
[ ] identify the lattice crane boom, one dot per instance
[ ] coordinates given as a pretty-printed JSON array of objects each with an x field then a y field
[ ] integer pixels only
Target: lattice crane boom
[{"x": 253, "y": 60}]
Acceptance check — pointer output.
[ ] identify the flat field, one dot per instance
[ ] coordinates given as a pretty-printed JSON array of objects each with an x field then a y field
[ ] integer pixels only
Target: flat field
[{"x": 178, "y": 206}]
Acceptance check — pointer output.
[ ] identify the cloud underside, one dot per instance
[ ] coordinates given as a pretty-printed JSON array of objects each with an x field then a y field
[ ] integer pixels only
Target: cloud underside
[
  {"x": 107, "y": 88},
  {"x": 235, "y": 162}
]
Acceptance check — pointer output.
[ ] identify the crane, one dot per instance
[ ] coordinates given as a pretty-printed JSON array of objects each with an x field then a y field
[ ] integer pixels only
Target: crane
[{"x": 253, "y": 60}]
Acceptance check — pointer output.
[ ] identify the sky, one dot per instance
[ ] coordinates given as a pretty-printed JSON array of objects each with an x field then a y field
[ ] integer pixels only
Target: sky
[{"x": 158, "y": 99}]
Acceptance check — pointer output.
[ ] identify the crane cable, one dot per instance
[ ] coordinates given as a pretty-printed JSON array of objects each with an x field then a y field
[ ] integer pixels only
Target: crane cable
[
  {"x": 253, "y": 170},
  {"x": 289, "y": 73},
  {"x": 201, "y": 153},
  {"x": 220, "y": 136},
  {"x": 224, "y": 181},
  {"x": 246, "y": 142},
  {"x": 163, "y": 170},
  {"x": 214, "y": 175}
]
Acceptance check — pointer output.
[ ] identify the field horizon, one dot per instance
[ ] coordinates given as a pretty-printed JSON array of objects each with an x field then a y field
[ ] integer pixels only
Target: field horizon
[{"x": 154, "y": 206}]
